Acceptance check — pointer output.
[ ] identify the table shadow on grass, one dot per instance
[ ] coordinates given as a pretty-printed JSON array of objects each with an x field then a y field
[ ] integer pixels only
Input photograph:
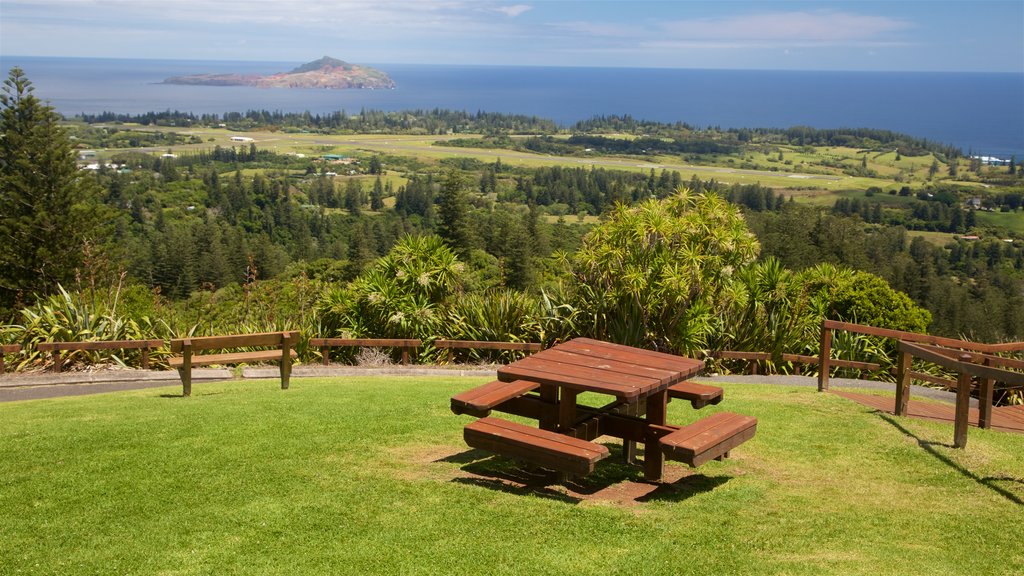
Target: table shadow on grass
[
  {"x": 613, "y": 480},
  {"x": 929, "y": 447}
]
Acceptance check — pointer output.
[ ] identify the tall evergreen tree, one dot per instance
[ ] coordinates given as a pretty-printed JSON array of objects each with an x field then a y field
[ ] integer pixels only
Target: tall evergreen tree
[
  {"x": 453, "y": 213},
  {"x": 50, "y": 212}
]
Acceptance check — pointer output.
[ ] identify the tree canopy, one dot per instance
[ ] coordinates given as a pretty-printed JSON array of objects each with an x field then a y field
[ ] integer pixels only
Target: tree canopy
[{"x": 50, "y": 218}]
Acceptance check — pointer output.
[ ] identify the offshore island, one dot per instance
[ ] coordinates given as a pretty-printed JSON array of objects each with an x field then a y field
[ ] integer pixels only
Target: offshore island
[{"x": 326, "y": 72}]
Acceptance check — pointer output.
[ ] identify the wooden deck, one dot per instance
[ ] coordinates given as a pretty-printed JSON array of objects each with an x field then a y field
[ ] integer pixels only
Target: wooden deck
[{"x": 1004, "y": 418}]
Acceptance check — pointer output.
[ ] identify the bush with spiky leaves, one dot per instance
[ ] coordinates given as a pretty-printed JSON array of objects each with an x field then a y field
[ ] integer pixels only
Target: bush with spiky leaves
[
  {"x": 653, "y": 275},
  {"x": 400, "y": 296},
  {"x": 495, "y": 316}
]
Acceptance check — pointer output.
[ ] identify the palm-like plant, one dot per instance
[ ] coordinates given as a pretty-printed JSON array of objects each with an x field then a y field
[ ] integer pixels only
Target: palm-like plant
[
  {"x": 401, "y": 296},
  {"x": 653, "y": 274}
]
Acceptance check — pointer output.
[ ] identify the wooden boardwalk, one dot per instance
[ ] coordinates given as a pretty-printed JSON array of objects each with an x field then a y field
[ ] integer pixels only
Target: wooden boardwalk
[{"x": 1005, "y": 418}]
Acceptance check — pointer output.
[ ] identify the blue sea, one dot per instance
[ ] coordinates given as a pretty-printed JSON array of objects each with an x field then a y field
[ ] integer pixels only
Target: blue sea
[{"x": 982, "y": 113}]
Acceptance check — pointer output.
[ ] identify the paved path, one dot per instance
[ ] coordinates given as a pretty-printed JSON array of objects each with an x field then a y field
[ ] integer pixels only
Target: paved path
[
  {"x": 36, "y": 386},
  {"x": 17, "y": 387}
]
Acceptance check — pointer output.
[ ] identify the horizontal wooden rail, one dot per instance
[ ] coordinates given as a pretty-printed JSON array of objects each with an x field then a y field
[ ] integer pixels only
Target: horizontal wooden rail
[
  {"x": 755, "y": 357},
  {"x": 923, "y": 338},
  {"x": 255, "y": 340},
  {"x": 925, "y": 377},
  {"x": 55, "y": 348},
  {"x": 828, "y": 326},
  {"x": 325, "y": 345},
  {"x": 7, "y": 349},
  {"x": 450, "y": 345},
  {"x": 979, "y": 358},
  {"x": 960, "y": 362}
]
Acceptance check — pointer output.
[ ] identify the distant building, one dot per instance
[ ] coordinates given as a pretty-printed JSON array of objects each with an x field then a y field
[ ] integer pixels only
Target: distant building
[
  {"x": 992, "y": 160},
  {"x": 242, "y": 139}
]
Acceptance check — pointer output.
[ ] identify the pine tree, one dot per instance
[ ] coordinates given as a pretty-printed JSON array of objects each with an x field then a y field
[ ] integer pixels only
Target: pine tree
[
  {"x": 377, "y": 196},
  {"x": 49, "y": 209},
  {"x": 453, "y": 213}
]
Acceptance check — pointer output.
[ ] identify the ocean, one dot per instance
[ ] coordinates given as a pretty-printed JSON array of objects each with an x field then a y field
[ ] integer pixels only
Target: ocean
[{"x": 980, "y": 113}]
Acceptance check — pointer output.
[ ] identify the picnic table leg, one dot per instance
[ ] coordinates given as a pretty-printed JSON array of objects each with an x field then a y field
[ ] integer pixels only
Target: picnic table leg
[
  {"x": 549, "y": 413},
  {"x": 654, "y": 459},
  {"x": 629, "y": 446},
  {"x": 567, "y": 409}
]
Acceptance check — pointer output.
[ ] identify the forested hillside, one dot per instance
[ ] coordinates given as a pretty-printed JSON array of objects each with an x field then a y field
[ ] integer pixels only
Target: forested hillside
[{"x": 193, "y": 219}]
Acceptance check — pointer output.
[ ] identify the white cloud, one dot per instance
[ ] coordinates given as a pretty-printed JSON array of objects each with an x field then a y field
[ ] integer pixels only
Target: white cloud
[
  {"x": 514, "y": 10},
  {"x": 820, "y": 26}
]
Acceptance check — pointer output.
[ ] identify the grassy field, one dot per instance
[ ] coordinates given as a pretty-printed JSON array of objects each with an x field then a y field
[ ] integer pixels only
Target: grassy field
[
  {"x": 1011, "y": 221},
  {"x": 370, "y": 475}
]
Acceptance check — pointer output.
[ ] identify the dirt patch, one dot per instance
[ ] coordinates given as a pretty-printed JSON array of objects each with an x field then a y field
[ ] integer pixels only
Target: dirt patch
[{"x": 614, "y": 483}]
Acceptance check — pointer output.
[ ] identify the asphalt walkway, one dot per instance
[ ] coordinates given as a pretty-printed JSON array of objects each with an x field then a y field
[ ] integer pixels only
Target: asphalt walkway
[{"x": 19, "y": 387}]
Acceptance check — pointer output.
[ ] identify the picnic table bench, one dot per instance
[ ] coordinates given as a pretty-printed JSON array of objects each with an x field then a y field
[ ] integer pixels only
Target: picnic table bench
[
  {"x": 56, "y": 349},
  {"x": 279, "y": 346},
  {"x": 545, "y": 387},
  {"x": 7, "y": 349}
]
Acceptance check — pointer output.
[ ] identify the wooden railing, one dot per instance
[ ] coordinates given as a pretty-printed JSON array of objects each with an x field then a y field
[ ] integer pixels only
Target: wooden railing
[
  {"x": 450, "y": 345},
  {"x": 828, "y": 326},
  {"x": 409, "y": 344},
  {"x": 325, "y": 345},
  {"x": 963, "y": 363},
  {"x": 57, "y": 347},
  {"x": 7, "y": 349},
  {"x": 755, "y": 358}
]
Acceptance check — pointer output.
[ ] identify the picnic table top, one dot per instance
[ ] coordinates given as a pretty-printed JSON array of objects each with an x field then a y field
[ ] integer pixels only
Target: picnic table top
[{"x": 587, "y": 365}]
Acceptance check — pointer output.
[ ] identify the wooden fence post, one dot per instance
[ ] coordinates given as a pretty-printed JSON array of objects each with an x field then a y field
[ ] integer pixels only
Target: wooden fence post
[
  {"x": 286, "y": 359},
  {"x": 185, "y": 371},
  {"x": 985, "y": 393},
  {"x": 963, "y": 404},
  {"x": 325, "y": 353},
  {"x": 903, "y": 383},
  {"x": 823, "y": 356}
]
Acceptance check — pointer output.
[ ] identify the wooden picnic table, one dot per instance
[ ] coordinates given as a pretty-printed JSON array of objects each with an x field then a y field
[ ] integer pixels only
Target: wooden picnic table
[{"x": 641, "y": 383}]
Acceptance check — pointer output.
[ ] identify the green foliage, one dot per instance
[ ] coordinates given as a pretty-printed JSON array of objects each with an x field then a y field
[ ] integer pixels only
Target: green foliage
[
  {"x": 653, "y": 274},
  {"x": 864, "y": 298},
  {"x": 767, "y": 308},
  {"x": 498, "y": 316},
  {"x": 49, "y": 218},
  {"x": 79, "y": 317},
  {"x": 453, "y": 212},
  {"x": 399, "y": 296}
]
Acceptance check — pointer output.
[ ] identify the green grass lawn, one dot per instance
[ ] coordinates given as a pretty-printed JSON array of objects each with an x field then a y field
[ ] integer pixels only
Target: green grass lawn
[{"x": 370, "y": 475}]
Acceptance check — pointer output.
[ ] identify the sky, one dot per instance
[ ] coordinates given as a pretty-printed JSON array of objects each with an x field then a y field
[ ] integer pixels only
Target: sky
[{"x": 936, "y": 35}]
